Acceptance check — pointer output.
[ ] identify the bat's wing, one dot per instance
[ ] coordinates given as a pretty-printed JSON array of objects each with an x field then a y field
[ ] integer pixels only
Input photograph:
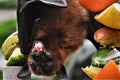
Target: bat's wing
[
  {"x": 24, "y": 73},
  {"x": 26, "y": 16}
]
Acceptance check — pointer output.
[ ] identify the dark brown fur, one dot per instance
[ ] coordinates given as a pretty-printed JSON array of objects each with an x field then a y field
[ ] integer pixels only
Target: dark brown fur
[{"x": 62, "y": 31}]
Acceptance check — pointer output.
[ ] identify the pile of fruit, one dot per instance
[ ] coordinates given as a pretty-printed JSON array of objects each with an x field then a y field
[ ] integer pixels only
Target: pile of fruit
[
  {"x": 105, "y": 63},
  {"x": 11, "y": 51}
]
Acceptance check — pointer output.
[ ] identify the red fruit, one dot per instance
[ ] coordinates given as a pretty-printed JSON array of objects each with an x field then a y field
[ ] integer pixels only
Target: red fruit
[{"x": 107, "y": 37}]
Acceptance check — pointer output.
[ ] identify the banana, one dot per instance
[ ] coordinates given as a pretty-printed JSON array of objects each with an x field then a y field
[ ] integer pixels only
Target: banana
[{"x": 10, "y": 44}]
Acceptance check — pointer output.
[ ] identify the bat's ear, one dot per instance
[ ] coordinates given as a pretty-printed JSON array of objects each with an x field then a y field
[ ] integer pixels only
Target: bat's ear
[
  {"x": 24, "y": 73},
  {"x": 60, "y": 3},
  {"x": 62, "y": 74}
]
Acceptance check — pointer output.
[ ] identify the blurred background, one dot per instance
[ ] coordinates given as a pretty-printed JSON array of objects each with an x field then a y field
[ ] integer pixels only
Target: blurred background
[{"x": 8, "y": 23}]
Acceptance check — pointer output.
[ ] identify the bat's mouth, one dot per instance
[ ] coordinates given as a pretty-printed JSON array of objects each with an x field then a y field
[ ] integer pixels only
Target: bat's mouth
[{"x": 38, "y": 46}]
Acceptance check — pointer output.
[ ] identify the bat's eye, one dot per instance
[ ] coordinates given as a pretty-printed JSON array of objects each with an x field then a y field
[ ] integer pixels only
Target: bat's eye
[
  {"x": 38, "y": 55},
  {"x": 33, "y": 65},
  {"x": 48, "y": 67}
]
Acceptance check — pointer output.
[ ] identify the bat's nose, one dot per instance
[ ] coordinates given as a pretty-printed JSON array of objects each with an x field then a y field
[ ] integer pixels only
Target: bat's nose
[{"x": 41, "y": 55}]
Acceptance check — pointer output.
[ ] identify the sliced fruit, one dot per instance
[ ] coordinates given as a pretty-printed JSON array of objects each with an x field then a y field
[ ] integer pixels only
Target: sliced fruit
[
  {"x": 96, "y": 5},
  {"x": 9, "y": 45},
  {"x": 107, "y": 37},
  {"x": 109, "y": 72},
  {"x": 91, "y": 71},
  {"x": 110, "y": 17},
  {"x": 17, "y": 58}
]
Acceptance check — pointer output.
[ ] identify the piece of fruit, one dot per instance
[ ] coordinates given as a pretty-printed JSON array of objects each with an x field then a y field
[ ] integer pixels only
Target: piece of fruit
[
  {"x": 109, "y": 72},
  {"x": 17, "y": 58},
  {"x": 91, "y": 71},
  {"x": 107, "y": 37},
  {"x": 110, "y": 17},
  {"x": 96, "y": 5},
  {"x": 9, "y": 45}
]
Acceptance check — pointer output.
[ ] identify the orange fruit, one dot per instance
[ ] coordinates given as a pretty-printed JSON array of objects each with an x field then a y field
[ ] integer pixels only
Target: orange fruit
[{"x": 96, "y": 5}]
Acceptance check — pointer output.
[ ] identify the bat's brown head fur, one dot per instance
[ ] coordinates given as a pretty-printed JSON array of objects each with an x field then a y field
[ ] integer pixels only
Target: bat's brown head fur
[{"x": 60, "y": 31}]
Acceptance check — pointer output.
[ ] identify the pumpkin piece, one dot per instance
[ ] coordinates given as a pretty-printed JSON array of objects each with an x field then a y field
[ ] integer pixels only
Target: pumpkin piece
[{"x": 109, "y": 72}]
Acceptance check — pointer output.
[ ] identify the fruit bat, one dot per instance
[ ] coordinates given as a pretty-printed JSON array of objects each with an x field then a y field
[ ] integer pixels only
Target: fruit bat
[{"x": 49, "y": 31}]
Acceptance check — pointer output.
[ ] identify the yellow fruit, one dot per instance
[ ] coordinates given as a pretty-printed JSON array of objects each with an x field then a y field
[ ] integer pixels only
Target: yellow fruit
[
  {"x": 9, "y": 45},
  {"x": 91, "y": 71},
  {"x": 110, "y": 17}
]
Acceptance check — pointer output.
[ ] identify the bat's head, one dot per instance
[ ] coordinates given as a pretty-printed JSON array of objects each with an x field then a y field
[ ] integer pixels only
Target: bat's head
[{"x": 41, "y": 62}]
